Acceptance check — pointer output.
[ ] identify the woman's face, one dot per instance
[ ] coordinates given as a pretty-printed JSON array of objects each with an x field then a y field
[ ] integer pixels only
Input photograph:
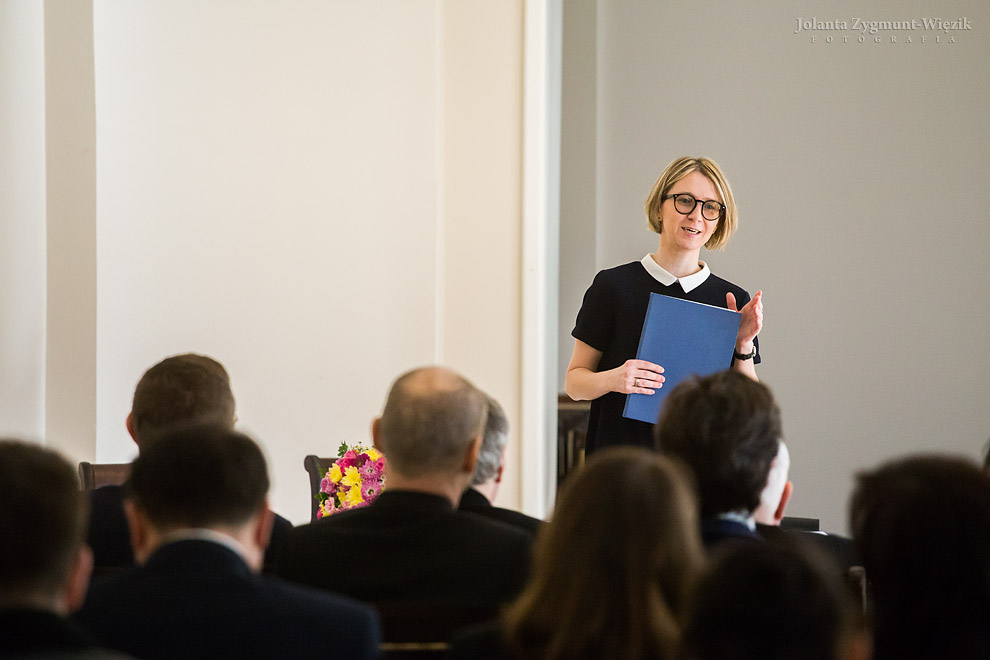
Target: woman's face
[{"x": 691, "y": 231}]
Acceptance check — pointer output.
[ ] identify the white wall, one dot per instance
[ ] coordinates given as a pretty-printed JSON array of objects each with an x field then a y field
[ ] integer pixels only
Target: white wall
[
  {"x": 321, "y": 195},
  {"x": 301, "y": 190},
  {"x": 70, "y": 158},
  {"x": 22, "y": 219},
  {"x": 860, "y": 171}
]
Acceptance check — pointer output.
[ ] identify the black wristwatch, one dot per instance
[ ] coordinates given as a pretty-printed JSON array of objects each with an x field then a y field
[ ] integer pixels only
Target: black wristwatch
[{"x": 745, "y": 356}]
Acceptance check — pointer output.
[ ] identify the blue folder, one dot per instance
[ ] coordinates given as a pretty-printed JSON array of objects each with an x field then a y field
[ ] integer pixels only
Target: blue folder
[{"x": 685, "y": 338}]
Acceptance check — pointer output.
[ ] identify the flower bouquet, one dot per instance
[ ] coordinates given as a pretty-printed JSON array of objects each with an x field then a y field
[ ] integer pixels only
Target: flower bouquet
[{"x": 354, "y": 480}]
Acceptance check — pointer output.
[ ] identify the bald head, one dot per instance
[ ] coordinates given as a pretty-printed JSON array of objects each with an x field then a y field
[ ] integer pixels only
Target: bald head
[{"x": 431, "y": 417}]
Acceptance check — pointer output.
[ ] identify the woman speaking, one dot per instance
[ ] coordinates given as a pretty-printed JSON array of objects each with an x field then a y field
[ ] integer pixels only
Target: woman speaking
[{"x": 690, "y": 206}]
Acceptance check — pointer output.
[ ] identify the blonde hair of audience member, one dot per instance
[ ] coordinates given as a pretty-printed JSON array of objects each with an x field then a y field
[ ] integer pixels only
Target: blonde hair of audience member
[
  {"x": 777, "y": 492},
  {"x": 431, "y": 431},
  {"x": 44, "y": 561},
  {"x": 676, "y": 171},
  {"x": 613, "y": 568}
]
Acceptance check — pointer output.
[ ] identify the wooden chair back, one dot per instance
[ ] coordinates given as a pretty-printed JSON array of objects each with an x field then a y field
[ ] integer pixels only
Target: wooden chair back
[
  {"x": 94, "y": 475},
  {"x": 316, "y": 467}
]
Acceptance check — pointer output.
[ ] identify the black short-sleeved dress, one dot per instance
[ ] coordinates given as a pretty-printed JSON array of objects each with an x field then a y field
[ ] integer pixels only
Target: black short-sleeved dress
[{"x": 611, "y": 320}]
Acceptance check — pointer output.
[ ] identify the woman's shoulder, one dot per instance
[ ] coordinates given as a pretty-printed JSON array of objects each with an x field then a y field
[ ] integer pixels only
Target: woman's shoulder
[{"x": 621, "y": 274}]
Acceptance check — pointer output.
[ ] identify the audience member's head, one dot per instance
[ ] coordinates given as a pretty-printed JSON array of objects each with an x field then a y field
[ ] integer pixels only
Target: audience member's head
[
  {"x": 613, "y": 569},
  {"x": 182, "y": 389},
  {"x": 771, "y": 601},
  {"x": 432, "y": 426},
  {"x": 726, "y": 428},
  {"x": 777, "y": 493},
  {"x": 922, "y": 527},
  {"x": 491, "y": 458},
  {"x": 199, "y": 477},
  {"x": 44, "y": 563},
  {"x": 986, "y": 459}
]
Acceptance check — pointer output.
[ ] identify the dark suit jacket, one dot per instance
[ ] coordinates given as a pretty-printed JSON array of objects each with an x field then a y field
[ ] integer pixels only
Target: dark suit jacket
[
  {"x": 473, "y": 501},
  {"x": 28, "y": 633},
  {"x": 410, "y": 546},
  {"x": 110, "y": 538},
  {"x": 198, "y": 599},
  {"x": 716, "y": 531}
]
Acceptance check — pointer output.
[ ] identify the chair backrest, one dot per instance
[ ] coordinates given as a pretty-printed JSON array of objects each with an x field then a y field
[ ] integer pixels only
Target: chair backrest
[
  {"x": 317, "y": 468},
  {"x": 424, "y": 630},
  {"x": 94, "y": 475},
  {"x": 801, "y": 524}
]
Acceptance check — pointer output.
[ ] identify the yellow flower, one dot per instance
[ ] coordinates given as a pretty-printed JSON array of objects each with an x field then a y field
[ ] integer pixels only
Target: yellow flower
[
  {"x": 335, "y": 475},
  {"x": 373, "y": 454},
  {"x": 352, "y": 477},
  {"x": 353, "y": 496}
]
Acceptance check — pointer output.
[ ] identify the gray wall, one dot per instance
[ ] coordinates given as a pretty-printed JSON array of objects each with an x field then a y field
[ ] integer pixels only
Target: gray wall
[{"x": 861, "y": 172}]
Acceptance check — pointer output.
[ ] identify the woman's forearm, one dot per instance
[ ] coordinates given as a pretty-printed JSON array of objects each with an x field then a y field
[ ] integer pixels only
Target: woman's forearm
[{"x": 583, "y": 384}]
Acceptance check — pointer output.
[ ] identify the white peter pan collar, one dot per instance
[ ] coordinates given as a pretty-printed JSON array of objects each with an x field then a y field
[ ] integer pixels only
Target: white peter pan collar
[{"x": 687, "y": 283}]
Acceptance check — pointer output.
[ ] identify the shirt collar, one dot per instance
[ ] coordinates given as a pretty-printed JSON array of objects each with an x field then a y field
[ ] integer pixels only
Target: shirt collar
[
  {"x": 688, "y": 283},
  {"x": 201, "y": 534},
  {"x": 741, "y": 517}
]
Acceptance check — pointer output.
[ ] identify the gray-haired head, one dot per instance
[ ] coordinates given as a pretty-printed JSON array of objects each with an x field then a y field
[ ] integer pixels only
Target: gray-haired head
[{"x": 492, "y": 445}]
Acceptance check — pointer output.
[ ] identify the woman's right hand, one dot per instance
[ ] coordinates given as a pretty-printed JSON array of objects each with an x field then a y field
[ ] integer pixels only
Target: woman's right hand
[{"x": 636, "y": 377}]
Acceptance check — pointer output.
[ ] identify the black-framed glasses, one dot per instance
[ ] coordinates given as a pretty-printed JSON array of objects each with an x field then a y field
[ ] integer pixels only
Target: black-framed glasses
[{"x": 685, "y": 203}]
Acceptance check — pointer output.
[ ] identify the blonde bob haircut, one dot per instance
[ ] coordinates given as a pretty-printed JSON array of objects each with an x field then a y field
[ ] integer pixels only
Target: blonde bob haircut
[{"x": 676, "y": 171}]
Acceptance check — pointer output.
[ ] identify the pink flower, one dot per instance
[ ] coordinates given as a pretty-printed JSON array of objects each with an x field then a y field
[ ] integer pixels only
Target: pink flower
[
  {"x": 370, "y": 470},
  {"x": 370, "y": 490}
]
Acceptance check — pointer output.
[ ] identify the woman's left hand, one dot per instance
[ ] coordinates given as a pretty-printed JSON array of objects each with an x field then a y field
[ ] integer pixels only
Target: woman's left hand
[{"x": 752, "y": 320}]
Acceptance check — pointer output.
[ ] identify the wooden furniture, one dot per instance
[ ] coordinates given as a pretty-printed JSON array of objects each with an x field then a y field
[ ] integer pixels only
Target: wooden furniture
[
  {"x": 94, "y": 475},
  {"x": 572, "y": 431},
  {"x": 317, "y": 467},
  {"x": 795, "y": 523},
  {"x": 418, "y": 631}
]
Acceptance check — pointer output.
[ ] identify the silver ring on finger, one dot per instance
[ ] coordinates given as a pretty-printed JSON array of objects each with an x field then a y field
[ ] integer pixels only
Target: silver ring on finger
[{"x": 636, "y": 382}]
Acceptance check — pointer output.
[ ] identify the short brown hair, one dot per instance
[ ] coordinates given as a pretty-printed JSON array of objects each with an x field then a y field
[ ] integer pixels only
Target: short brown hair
[
  {"x": 613, "y": 569},
  {"x": 199, "y": 476},
  {"x": 181, "y": 389},
  {"x": 726, "y": 428},
  {"x": 676, "y": 171},
  {"x": 43, "y": 518}
]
